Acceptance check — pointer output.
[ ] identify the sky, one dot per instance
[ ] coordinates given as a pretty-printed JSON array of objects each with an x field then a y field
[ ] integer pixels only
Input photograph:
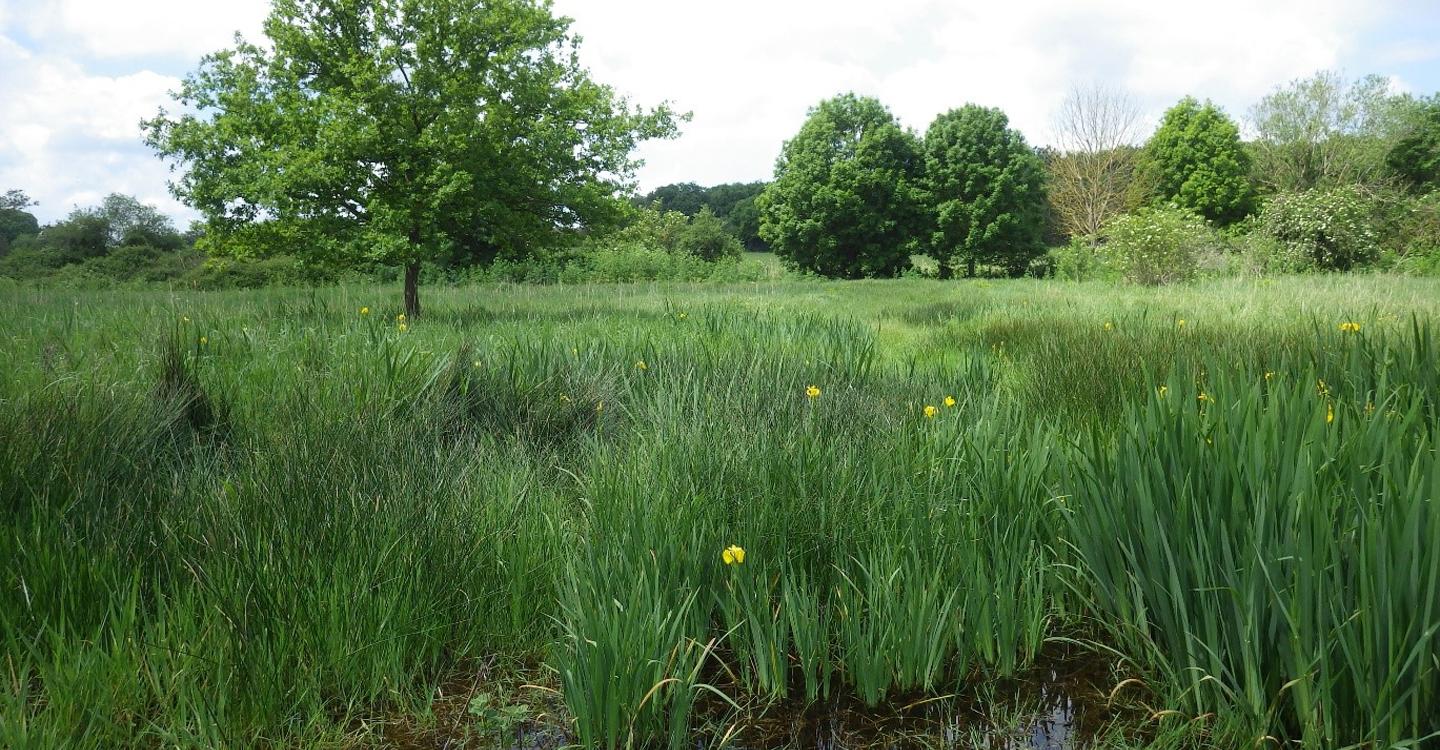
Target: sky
[{"x": 77, "y": 76}]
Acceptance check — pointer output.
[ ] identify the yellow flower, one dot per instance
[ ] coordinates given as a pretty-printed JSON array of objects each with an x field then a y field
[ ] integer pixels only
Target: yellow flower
[
  {"x": 682, "y": 316},
  {"x": 1162, "y": 390},
  {"x": 1109, "y": 326},
  {"x": 599, "y": 407},
  {"x": 1329, "y": 413},
  {"x": 1321, "y": 388},
  {"x": 364, "y": 311},
  {"x": 564, "y": 398},
  {"x": 1206, "y": 397},
  {"x": 733, "y": 555},
  {"x": 184, "y": 319},
  {"x": 402, "y": 328},
  {"x": 204, "y": 341},
  {"x": 1269, "y": 375},
  {"x": 812, "y": 392},
  {"x": 949, "y": 401},
  {"x": 930, "y": 411},
  {"x": 1350, "y": 327},
  {"x": 640, "y": 365},
  {"x": 400, "y": 318},
  {"x": 1181, "y": 323},
  {"x": 476, "y": 363}
]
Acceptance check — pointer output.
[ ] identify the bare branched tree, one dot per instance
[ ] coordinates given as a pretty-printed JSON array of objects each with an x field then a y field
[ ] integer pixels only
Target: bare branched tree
[{"x": 1092, "y": 171}]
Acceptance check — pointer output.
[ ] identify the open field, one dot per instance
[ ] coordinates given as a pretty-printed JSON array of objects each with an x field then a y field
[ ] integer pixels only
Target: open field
[{"x": 266, "y": 519}]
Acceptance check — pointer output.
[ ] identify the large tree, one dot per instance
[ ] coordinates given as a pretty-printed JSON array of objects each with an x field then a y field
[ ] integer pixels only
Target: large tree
[
  {"x": 1197, "y": 161},
  {"x": 1415, "y": 157},
  {"x": 1093, "y": 168},
  {"x": 986, "y": 191},
  {"x": 1324, "y": 131},
  {"x": 846, "y": 200},
  {"x": 401, "y": 129},
  {"x": 14, "y": 219}
]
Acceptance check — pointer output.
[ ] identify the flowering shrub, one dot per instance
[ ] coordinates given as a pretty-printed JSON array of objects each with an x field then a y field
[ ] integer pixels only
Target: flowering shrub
[
  {"x": 1160, "y": 245},
  {"x": 1332, "y": 229}
]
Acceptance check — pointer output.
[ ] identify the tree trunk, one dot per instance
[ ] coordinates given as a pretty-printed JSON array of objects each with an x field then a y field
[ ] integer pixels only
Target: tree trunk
[
  {"x": 946, "y": 271},
  {"x": 970, "y": 267},
  {"x": 412, "y": 290}
]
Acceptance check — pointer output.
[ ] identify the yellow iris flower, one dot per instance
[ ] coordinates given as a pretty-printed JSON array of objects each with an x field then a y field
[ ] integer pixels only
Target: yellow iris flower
[
  {"x": 812, "y": 392},
  {"x": 733, "y": 555}
]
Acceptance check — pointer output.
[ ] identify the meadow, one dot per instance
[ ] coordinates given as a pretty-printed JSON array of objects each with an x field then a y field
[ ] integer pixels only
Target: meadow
[{"x": 650, "y": 515}]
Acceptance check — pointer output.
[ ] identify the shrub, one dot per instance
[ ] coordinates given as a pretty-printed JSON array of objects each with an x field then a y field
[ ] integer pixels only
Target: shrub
[
  {"x": 1332, "y": 229},
  {"x": 1160, "y": 245},
  {"x": 705, "y": 237}
]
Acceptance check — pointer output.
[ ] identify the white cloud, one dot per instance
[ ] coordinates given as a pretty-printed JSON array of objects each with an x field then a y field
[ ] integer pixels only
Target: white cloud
[
  {"x": 68, "y": 138},
  {"x": 107, "y": 29},
  {"x": 748, "y": 69}
]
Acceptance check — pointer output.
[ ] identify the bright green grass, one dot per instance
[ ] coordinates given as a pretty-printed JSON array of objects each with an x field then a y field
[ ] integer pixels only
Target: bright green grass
[{"x": 313, "y": 517}]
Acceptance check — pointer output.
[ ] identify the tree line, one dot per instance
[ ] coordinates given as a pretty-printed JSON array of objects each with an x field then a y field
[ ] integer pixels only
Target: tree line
[{"x": 1333, "y": 166}]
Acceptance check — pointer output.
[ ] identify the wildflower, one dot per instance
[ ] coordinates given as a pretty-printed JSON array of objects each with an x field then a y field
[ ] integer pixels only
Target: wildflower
[
  {"x": 400, "y": 318},
  {"x": 564, "y": 398},
  {"x": 402, "y": 328},
  {"x": 930, "y": 411},
  {"x": 682, "y": 315},
  {"x": 1321, "y": 388},
  {"x": 364, "y": 311},
  {"x": 1350, "y": 327},
  {"x": 813, "y": 392},
  {"x": 640, "y": 365},
  {"x": 1329, "y": 413},
  {"x": 1206, "y": 397},
  {"x": 733, "y": 555},
  {"x": 204, "y": 341},
  {"x": 1180, "y": 323},
  {"x": 476, "y": 363},
  {"x": 949, "y": 402},
  {"x": 1268, "y": 376},
  {"x": 1162, "y": 390},
  {"x": 599, "y": 407},
  {"x": 1109, "y": 326},
  {"x": 184, "y": 319}
]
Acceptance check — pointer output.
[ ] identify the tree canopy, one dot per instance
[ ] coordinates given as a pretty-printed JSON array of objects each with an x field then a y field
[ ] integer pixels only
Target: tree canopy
[
  {"x": 1196, "y": 160},
  {"x": 398, "y": 131},
  {"x": 1415, "y": 158},
  {"x": 985, "y": 188},
  {"x": 846, "y": 200},
  {"x": 1324, "y": 131},
  {"x": 15, "y": 221}
]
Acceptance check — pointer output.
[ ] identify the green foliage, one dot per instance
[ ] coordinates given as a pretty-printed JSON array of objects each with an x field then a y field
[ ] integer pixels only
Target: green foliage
[
  {"x": 1289, "y": 581},
  {"x": 402, "y": 131},
  {"x": 265, "y": 518},
  {"x": 1415, "y": 158},
  {"x": 1196, "y": 161},
  {"x": 1161, "y": 245},
  {"x": 685, "y": 197},
  {"x": 15, "y": 222},
  {"x": 1326, "y": 132},
  {"x": 733, "y": 203},
  {"x": 985, "y": 191},
  {"x": 846, "y": 200},
  {"x": 706, "y": 238},
  {"x": 1332, "y": 229}
]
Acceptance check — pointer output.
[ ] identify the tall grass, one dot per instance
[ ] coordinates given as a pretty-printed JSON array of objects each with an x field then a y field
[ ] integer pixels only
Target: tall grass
[{"x": 259, "y": 518}]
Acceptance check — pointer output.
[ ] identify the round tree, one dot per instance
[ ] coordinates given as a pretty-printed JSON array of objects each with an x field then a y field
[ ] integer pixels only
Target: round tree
[
  {"x": 845, "y": 202},
  {"x": 986, "y": 192},
  {"x": 401, "y": 132},
  {"x": 1196, "y": 160}
]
